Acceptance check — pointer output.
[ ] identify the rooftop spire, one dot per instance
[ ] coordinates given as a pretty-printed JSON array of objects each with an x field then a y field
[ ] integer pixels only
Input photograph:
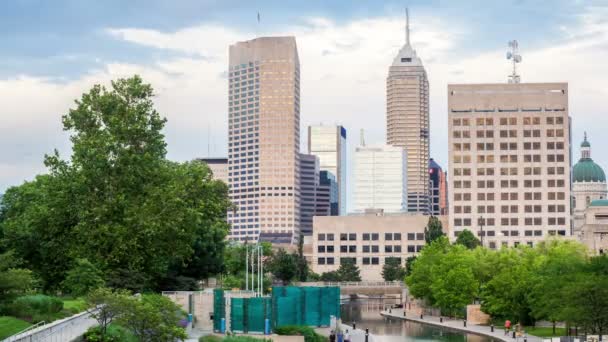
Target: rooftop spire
[{"x": 407, "y": 26}]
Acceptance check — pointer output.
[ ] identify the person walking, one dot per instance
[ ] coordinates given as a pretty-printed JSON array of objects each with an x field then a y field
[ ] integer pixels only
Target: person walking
[
  {"x": 332, "y": 336},
  {"x": 507, "y": 327},
  {"x": 346, "y": 336}
]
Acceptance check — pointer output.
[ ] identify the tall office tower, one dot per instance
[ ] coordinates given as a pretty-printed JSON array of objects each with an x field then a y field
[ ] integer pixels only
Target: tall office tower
[
  {"x": 380, "y": 179},
  {"x": 309, "y": 184},
  {"x": 509, "y": 150},
  {"x": 264, "y": 140},
  {"x": 329, "y": 144},
  {"x": 327, "y": 195},
  {"x": 439, "y": 189},
  {"x": 407, "y": 121},
  {"x": 588, "y": 184},
  {"x": 219, "y": 167}
]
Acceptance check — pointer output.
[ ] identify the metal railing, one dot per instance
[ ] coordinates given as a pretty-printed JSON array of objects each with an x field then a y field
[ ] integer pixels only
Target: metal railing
[{"x": 66, "y": 329}]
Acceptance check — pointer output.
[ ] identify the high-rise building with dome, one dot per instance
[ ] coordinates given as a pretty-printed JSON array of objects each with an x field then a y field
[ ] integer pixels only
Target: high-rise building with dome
[{"x": 588, "y": 184}]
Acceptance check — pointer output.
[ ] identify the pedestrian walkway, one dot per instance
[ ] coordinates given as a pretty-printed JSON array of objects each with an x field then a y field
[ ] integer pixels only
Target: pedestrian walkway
[{"x": 458, "y": 324}]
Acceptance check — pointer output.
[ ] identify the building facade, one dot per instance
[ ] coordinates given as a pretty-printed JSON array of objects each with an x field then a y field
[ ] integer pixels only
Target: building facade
[
  {"x": 219, "y": 167},
  {"x": 407, "y": 121},
  {"x": 588, "y": 184},
  {"x": 329, "y": 144},
  {"x": 594, "y": 230},
  {"x": 509, "y": 150},
  {"x": 367, "y": 239},
  {"x": 264, "y": 140},
  {"x": 309, "y": 186},
  {"x": 439, "y": 189},
  {"x": 380, "y": 179},
  {"x": 327, "y": 195}
]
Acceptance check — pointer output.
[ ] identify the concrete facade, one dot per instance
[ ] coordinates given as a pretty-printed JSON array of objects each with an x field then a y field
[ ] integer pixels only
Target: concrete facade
[
  {"x": 407, "y": 121},
  {"x": 594, "y": 231},
  {"x": 329, "y": 144},
  {"x": 219, "y": 167},
  {"x": 264, "y": 140},
  {"x": 380, "y": 179},
  {"x": 369, "y": 239},
  {"x": 439, "y": 189},
  {"x": 309, "y": 185},
  {"x": 509, "y": 150}
]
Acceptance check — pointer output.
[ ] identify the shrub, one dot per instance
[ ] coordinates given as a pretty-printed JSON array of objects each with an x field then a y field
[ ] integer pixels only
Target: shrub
[
  {"x": 36, "y": 307},
  {"x": 115, "y": 333},
  {"x": 83, "y": 278},
  {"x": 210, "y": 338},
  {"x": 309, "y": 333}
]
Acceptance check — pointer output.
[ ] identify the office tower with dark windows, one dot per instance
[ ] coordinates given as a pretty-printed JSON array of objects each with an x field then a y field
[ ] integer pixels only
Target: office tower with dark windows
[
  {"x": 407, "y": 121},
  {"x": 439, "y": 189},
  {"x": 329, "y": 144},
  {"x": 264, "y": 140},
  {"x": 509, "y": 150}
]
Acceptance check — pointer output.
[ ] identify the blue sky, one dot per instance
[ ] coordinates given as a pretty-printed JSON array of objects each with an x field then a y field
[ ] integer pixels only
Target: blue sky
[{"x": 53, "y": 51}]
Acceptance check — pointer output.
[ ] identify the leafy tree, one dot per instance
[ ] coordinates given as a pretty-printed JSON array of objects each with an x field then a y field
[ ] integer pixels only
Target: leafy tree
[
  {"x": 151, "y": 317},
  {"x": 433, "y": 230},
  {"x": 409, "y": 263},
  {"x": 392, "y": 269},
  {"x": 330, "y": 276},
  {"x": 284, "y": 266},
  {"x": 83, "y": 278},
  {"x": 467, "y": 239},
  {"x": 118, "y": 201},
  {"x": 587, "y": 303},
  {"x": 302, "y": 265},
  {"x": 348, "y": 270},
  {"x": 14, "y": 281},
  {"x": 105, "y": 306},
  {"x": 422, "y": 274},
  {"x": 454, "y": 285}
]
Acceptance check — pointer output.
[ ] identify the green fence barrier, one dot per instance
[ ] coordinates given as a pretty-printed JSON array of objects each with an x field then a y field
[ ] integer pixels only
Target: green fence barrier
[
  {"x": 310, "y": 306},
  {"x": 219, "y": 309}
]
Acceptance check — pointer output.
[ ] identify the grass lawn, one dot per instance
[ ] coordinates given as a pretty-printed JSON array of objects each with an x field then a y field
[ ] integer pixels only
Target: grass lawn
[
  {"x": 545, "y": 331},
  {"x": 11, "y": 325},
  {"x": 74, "y": 306}
]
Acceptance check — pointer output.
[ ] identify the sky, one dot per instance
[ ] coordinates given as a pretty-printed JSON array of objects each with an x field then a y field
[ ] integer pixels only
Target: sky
[{"x": 53, "y": 51}]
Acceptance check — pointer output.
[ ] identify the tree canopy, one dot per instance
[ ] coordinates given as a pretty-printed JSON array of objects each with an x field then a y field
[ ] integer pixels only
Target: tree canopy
[
  {"x": 392, "y": 269},
  {"x": 467, "y": 239},
  {"x": 433, "y": 230},
  {"x": 118, "y": 202}
]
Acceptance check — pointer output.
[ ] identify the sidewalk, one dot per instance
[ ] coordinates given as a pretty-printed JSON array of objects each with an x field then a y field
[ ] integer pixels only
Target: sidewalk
[{"x": 498, "y": 333}]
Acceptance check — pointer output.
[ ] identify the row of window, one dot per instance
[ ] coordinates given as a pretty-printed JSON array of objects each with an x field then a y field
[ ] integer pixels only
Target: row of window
[
  {"x": 506, "y": 196},
  {"x": 369, "y": 249},
  {"x": 505, "y": 209},
  {"x": 511, "y": 221},
  {"x": 510, "y": 171},
  {"x": 369, "y": 236},
  {"x": 364, "y": 260},
  {"x": 511, "y": 146},
  {"x": 550, "y": 120},
  {"x": 511, "y": 133},
  {"x": 507, "y": 158}
]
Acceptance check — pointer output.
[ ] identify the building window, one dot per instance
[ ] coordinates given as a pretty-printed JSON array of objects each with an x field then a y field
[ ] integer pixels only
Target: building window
[
  {"x": 352, "y": 249},
  {"x": 388, "y": 249},
  {"x": 330, "y": 261},
  {"x": 321, "y": 237},
  {"x": 375, "y": 261},
  {"x": 321, "y": 261},
  {"x": 352, "y": 237},
  {"x": 321, "y": 249},
  {"x": 375, "y": 236},
  {"x": 330, "y": 249},
  {"x": 397, "y": 249},
  {"x": 366, "y": 249},
  {"x": 365, "y": 237},
  {"x": 365, "y": 261},
  {"x": 411, "y": 248},
  {"x": 343, "y": 237},
  {"x": 388, "y": 236},
  {"x": 330, "y": 237},
  {"x": 343, "y": 249},
  {"x": 375, "y": 249},
  {"x": 397, "y": 236},
  {"x": 347, "y": 260}
]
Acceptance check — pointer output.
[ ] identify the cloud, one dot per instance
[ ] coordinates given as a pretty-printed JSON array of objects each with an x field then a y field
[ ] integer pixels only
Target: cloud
[{"x": 344, "y": 68}]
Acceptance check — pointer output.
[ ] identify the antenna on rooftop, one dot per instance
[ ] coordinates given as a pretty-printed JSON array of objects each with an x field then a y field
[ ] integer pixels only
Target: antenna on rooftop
[
  {"x": 407, "y": 26},
  {"x": 515, "y": 57}
]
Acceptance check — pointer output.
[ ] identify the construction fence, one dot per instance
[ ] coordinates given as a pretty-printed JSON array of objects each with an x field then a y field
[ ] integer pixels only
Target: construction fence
[{"x": 291, "y": 305}]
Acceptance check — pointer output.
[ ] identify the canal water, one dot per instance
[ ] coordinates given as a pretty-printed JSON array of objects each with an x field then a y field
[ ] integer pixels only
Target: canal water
[{"x": 367, "y": 315}]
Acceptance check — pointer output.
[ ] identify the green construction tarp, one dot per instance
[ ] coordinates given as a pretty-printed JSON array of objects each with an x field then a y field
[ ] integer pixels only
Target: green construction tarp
[
  {"x": 310, "y": 306},
  {"x": 219, "y": 309}
]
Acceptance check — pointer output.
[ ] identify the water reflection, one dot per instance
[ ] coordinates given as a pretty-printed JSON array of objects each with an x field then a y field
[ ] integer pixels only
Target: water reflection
[{"x": 365, "y": 312}]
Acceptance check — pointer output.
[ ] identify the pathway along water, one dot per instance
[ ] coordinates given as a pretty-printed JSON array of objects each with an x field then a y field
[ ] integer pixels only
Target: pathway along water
[{"x": 367, "y": 315}]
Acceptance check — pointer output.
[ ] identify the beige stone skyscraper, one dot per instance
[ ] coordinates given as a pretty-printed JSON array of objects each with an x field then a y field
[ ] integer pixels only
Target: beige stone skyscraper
[
  {"x": 407, "y": 121},
  {"x": 509, "y": 150},
  {"x": 264, "y": 140}
]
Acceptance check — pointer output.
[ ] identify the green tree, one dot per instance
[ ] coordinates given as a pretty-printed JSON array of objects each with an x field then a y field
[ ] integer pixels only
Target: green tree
[
  {"x": 284, "y": 266},
  {"x": 14, "y": 281},
  {"x": 454, "y": 285},
  {"x": 587, "y": 303},
  {"x": 348, "y": 270},
  {"x": 118, "y": 201},
  {"x": 332, "y": 276},
  {"x": 151, "y": 318},
  {"x": 422, "y": 274},
  {"x": 302, "y": 265},
  {"x": 82, "y": 278},
  {"x": 409, "y": 263},
  {"x": 392, "y": 269},
  {"x": 105, "y": 306},
  {"x": 467, "y": 239},
  {"x": 433, "y": 230}
]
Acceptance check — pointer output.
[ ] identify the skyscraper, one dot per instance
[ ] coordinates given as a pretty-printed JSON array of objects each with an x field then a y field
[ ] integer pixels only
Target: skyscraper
[
  {"x": 264, "y": 139},
  {"x": 439, "y": 189},
  {"x": 329, "y": 144},
  {"x": 509, "y": 150},
  {"x": 309, "y": 185},
  {"x": 407, "y": 120},
  {"x": 380, "y": 179}
]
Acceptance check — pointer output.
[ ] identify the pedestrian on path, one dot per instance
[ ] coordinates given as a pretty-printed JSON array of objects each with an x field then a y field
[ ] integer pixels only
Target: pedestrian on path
[
  {"x": 346, "y": 336},
  {"x": 332, "y": 336},
  {"x": 507, "y": 327}
]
